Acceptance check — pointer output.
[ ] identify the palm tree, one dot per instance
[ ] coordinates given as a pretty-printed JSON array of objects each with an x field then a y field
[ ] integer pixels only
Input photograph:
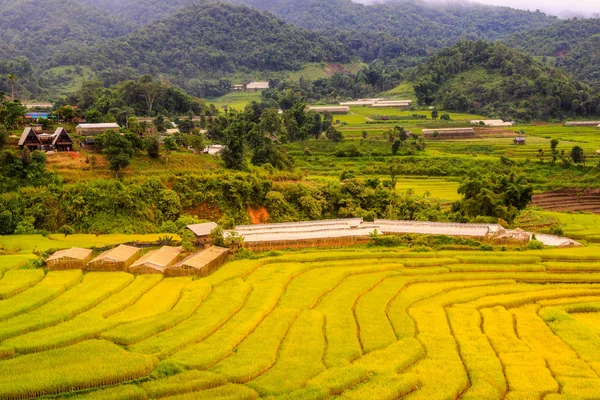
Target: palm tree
[{"x": 12, "y": 78}]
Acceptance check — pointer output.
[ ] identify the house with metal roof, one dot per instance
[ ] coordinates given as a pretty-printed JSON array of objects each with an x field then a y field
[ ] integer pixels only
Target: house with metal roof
[{"x": 96, "y": 129}]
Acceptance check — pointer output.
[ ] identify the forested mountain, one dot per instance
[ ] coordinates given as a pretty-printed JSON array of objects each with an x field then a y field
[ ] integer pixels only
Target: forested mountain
[
  {"x": 556, "y": 40},
  {"x": 402, "y": 28},
  {"x": 40, "y": 31},
  {"x": 492, "y": 79},
  {"x": 212, "y": 39},
  {"x": 32, "y": 33},
  {"x": 575, "y": 44},
  {"x": 140, "y": 11}
]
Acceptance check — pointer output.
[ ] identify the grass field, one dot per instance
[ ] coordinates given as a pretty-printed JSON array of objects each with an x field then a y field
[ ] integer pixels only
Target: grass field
[{"x": 348, "y": 324}]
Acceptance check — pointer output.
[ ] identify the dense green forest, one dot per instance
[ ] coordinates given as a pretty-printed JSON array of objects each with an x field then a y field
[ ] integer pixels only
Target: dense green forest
[
  {"x": 492, "y": 79},
  {"x": 572, "y": 45},
  {"x": 398, "y": 30},
  {"x": 213, "y": 39}
]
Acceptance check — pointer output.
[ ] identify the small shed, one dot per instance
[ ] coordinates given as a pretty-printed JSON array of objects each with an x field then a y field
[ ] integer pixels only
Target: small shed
[
  {"x": 156, "y": 261},
  {"x": 519, "y": 140},
  {"x": 202, "y": 263},
  {"x": 117, "y": 259},
  {"x": 30, "y": 139},
  {"x": 73, "y": 258},
  {"x": 214, "y": 149},
  {"x": 96, "y": 129}
]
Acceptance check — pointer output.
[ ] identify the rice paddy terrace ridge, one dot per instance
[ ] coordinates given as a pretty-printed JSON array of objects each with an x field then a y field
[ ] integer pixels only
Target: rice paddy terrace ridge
[{"x": 349, "y": 324}]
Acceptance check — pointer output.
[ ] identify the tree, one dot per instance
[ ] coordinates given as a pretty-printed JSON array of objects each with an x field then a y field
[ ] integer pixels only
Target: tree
[
  {"x": 577, "y": 155},
  {"x": 334, "y": 135},
  {"x": 152, "y": 144},
  {"x": 553, "y": 146},
  {"x": 160, "y": 124},
  {"x": 3, "y": 136},
  {"x": 434, "y": 114},
  {"x": 494, "y": 195},
  {"x": 396, "y": 146},
  {"x": 365, "y": 134},
  {"x": 541, "y": 155},
  {"x": 118, "y": 151},
  {"x": 150, "y": 89},
  {"x": 93, "y": 116},
  {"x": 270, "y": 123},
  {"x": 445, "y": 117},
  {"x": 66, "y": 113},
  {"x": 234, "y": 153},
  {"x": 12, "y": 78},
  {"x": 170, "y": 146}
]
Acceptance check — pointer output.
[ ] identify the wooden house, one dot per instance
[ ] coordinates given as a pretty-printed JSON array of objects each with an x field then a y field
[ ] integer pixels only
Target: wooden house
[
  {"x": 156, "y": 261},
  {"x": 74, "y": 258},
  {"x": 30, "y": 140},
  {"x": 96, "y": 129},
  {"x": 202, "y": 263},
  {"x": 61, "y": 140},
  {"x": 117, "y": 259}
]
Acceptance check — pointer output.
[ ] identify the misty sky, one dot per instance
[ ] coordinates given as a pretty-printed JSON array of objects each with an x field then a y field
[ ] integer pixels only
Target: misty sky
[
  {"x": 551, "y": 6},
  {"x": 562, "y": 8}
]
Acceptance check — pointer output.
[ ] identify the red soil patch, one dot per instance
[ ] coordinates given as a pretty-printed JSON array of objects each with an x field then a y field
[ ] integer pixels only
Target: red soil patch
[
  {"x": 205, "y": 211},
  {"x": 258, "y": 215}
]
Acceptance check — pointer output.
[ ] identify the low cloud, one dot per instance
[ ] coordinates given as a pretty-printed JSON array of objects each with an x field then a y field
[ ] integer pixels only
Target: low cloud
[{"x": 561, "y": 8}]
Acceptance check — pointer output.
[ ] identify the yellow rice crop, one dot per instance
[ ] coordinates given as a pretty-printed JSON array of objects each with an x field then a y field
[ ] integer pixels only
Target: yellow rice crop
[{"x": 15, "y": 282}]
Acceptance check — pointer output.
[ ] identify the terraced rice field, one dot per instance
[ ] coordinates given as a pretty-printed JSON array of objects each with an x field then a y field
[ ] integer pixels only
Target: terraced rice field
[
  {"x": 569, "y": 200},
  {"x": 351, "y": 324}
]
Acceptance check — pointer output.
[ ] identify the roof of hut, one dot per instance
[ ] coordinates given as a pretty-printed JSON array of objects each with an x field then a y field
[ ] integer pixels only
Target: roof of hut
[
  {"x": 158, "y": 259},
  {"x": 75, "y": 253},
  {"x": 121, "y": 253},
  {"x": 204, "y": 229},
  {"x": 202, "y": 258},
  {"x": 26, "y": 133}
]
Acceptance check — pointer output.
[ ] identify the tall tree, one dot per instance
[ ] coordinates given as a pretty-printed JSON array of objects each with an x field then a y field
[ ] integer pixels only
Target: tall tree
[
  {"x": 12, "y": 78},
  {"x": 118, "y": 151}
]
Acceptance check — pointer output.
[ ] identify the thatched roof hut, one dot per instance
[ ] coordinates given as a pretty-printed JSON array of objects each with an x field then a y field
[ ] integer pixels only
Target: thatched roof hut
[
  {"x": 202, "y": 263},
  {"x": 30, "y": 139},
  {"x": 73, "y": 258},
  {"x": 156, "y": 261},
  {"x": 117, "y": 259}
]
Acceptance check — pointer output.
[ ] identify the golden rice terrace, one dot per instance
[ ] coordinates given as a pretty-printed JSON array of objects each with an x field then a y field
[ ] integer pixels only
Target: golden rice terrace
[{"x": 312, "y": 325}]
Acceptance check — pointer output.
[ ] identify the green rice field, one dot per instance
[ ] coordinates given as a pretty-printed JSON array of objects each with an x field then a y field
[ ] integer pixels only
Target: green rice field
[{"x": 315, "y": 324}]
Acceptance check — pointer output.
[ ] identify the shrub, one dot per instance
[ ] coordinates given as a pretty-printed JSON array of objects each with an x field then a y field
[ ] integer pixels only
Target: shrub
[{"x": 535, "y": 245}]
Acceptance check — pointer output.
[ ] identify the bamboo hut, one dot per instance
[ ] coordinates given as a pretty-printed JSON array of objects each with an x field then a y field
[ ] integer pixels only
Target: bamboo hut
[
  {"x": 74, "y": 258},
  {"x": 156, "y": 261},
  {"x": 202, "y": 263},
  {"x": 117, "y": 259}
]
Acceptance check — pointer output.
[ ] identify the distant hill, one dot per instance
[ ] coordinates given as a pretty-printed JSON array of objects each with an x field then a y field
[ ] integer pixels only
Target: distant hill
[
  {"x": 138, "y": 11},
  {"x": 32, "y": 33},
  {"x": 492, "y": 79},
  {"x": 556, "y": 40},
  {"x": 396, "y": 31},
  {"x": 209, "y": 40},
  {"x": 575, "y": 44},
  {"x": 402, "y": 28}
]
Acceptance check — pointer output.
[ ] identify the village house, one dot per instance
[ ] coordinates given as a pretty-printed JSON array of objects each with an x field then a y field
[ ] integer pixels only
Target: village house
[
  {"x": 30, "y": 139},
  {"x": 96, "y": 129},
  {"x": 57, "y": 141}
]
